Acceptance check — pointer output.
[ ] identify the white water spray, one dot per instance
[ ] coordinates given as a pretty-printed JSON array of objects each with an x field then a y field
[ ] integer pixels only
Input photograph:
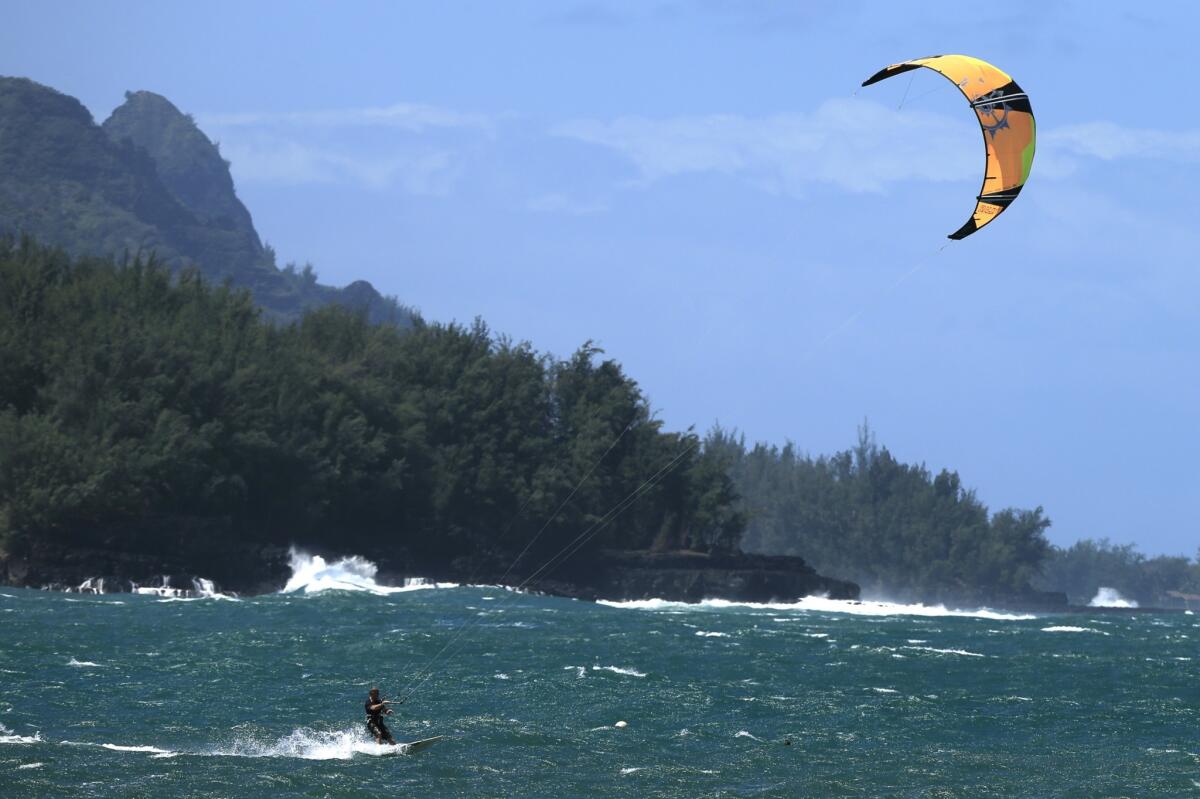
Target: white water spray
[
  {"x": 1110, "y": 598},
  {"x": 822, "y": 605},
  {"x": 312, "y": 574}
]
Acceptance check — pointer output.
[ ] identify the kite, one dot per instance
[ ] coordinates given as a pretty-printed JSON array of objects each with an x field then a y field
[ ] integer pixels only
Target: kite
[{"x": 1006, "y": 118}]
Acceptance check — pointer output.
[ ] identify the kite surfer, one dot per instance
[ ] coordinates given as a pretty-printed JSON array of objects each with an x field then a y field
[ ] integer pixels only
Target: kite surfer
[{"x": 376, "y": 709}]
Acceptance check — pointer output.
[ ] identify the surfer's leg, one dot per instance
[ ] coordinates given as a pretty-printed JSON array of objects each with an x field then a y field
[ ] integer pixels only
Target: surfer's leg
[{"x": 385, "y": 735}]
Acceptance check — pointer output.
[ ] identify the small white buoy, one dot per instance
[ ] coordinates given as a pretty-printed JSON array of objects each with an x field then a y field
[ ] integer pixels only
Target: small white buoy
[{"x": 620, "y": 724}]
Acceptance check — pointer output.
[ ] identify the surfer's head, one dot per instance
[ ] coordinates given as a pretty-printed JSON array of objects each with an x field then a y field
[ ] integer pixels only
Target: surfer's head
[{"x": 374, "y": 693}]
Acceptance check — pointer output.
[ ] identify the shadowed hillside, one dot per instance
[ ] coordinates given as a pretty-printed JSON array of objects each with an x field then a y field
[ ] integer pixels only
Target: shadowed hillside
[{"x": 147, "y": 180}]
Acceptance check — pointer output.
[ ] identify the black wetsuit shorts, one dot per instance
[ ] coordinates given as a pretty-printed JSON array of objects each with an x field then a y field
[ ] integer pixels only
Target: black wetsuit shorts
[
  {"x": 378, "y": 729},
  {"x": 375, "y": 724}
]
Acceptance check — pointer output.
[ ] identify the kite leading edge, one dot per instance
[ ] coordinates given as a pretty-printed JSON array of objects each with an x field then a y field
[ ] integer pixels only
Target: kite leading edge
[{"x": 1006, "y": 118}]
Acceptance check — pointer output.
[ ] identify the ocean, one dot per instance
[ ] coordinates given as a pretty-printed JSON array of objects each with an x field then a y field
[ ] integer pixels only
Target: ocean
[{"x": 154, "y": 695}]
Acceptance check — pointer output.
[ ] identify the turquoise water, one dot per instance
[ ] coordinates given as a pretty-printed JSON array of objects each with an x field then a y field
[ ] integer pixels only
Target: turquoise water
[{"x": 126, "y": 695}]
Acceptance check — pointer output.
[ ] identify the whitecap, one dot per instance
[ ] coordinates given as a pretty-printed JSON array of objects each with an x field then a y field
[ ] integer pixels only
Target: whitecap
[
  {"x": 7, "y": 736},
  {"x": 217, "y": 596},
  {"x": 703, "y": 634},
  {"x": 1064, "y": 628},
  {"x": 618, "y": 670},
  {"x": 745, "y": 734},
  {"x": 501, "y": 676},
  {"x": 643, "y": 604},
  {"x": 885, "y": 690},
  {"x": 821, "y": 605},
  {"x": 87, "y": 663},
  {"x": 632, "y": 770},
  {"x": 26, "y": 766},
  {"x": 945, "y": 651},
  {"x": 154, "y": 750}
]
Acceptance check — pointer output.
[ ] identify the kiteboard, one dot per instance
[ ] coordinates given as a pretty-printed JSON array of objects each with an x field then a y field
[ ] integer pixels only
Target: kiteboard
[{"x": 410, "y": 747}]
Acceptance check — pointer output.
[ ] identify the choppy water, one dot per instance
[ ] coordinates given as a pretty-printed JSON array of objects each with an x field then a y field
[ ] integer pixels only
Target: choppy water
[{"x": 138, "y": 695}]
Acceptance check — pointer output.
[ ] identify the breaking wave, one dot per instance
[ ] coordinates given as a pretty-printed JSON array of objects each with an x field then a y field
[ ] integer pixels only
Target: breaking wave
[
  {"x": 1110, "y": 598},
  {"x": 619, "y": 670},
  {"x": 150, "y": 750},
  {"x": 312, "y": 575},
  {"x": 201, "y": 588},
  {"x": 824, "y": 605},
  {"x": 84, "y": 663},
  {"x": 1066, "y": 628},
  {"x": 7, "y": 736}
]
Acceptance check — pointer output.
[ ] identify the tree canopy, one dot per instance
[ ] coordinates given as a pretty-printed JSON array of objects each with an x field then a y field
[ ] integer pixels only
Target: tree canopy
[
  {"x": 896, "y": 529},
  {"x": 126, "y": 393}
]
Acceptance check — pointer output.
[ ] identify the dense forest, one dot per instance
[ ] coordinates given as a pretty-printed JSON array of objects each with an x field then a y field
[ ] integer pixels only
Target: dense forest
[
  {"x": 135, "y": 401},
  {"x": 1085, "y": 567},
  {"x": 896, "y": 529},
  {"x": 128, "y": 394}
]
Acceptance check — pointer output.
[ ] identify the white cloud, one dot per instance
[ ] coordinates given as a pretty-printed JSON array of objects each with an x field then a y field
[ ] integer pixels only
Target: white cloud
[
  {"x": 405, "y": 116},
  {"x": 1108, "y": 141},
  {"x": 271, "y": 160},
  {"x": 419, "y": 149},
  {"x": 858, "y": 145}
]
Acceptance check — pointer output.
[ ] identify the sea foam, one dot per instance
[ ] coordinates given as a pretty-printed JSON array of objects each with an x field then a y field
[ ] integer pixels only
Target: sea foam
[
  {"x": 84, "y": 663},
  {"x": 309, "y": 744},
  {"x": 1110, "y": 598},
  {"x": 312, "y": 575},
  {"x": 619, "y": 670},
  {"x": 151, "y": 750},
  {"x": 7, "y": 736},
  {"x": 1064, "y": 628},
  {"x": 821, "y": 605}
]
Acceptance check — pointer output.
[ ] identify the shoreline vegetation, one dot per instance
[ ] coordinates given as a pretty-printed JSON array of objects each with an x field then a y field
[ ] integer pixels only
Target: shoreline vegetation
[
  {"x": 197, "y": 411},
  {"x": 153, "y": 424}
]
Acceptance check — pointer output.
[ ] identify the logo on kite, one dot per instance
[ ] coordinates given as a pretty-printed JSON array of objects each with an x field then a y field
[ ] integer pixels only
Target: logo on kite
[{"x": 1005, "y": 118}]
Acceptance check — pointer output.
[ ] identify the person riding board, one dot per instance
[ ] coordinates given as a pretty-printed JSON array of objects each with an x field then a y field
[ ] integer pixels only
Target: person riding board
[{"x": 376, "y": 709}]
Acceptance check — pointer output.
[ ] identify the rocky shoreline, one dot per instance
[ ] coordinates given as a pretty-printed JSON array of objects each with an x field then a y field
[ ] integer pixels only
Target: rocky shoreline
[
  {"x": 612, "y": 575},
  {"x": 193, "y": 568}
]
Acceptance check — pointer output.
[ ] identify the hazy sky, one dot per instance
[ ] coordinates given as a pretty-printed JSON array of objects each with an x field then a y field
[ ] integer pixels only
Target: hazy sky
[{"x": 698, "y": 187}]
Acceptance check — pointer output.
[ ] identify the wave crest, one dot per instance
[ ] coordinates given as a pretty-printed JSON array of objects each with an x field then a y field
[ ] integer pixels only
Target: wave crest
[
  {"x": 312, "y": 575},
  {"x": 823, "y": 605}
]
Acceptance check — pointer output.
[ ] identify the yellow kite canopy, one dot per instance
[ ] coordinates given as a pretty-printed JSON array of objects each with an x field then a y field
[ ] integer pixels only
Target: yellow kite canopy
[{"x": 1008, "y": 128}]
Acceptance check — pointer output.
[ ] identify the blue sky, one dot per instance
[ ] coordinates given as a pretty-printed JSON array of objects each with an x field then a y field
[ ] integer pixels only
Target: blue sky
[{"x": 699, "y": 188}]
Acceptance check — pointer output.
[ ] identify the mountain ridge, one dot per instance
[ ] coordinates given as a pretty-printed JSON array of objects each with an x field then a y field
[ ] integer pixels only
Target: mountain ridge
[{"x": 146, "y": 180}]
